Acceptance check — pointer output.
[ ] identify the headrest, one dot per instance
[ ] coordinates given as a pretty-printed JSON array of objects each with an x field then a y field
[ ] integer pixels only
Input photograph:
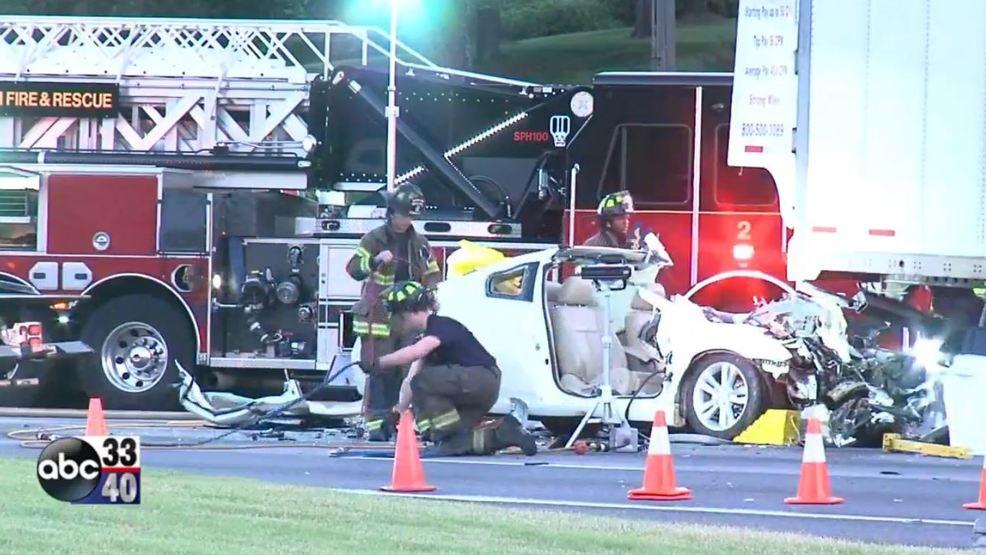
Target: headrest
[
  {"x": 577, "y": 291},
  {"x": 638, "y": 302},
  {"x": 551, "y": 289}
]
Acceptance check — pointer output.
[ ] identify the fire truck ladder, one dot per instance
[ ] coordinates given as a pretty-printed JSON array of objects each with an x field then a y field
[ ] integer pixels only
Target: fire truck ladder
[{"x": 187, "y": 85}]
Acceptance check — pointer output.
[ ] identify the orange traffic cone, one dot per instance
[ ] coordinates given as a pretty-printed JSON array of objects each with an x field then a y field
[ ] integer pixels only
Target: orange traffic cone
[
  {"x": 659, "y": 481},
  {"x": 409, "y": 473},
  {"x": 981, "y": 504},
  {"x": 814, "y": 487},
  {"x": 95, "y": 420}
]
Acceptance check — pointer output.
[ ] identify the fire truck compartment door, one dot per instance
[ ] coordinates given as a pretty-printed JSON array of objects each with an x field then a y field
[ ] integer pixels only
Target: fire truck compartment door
[{"x": 102, "y": 214}]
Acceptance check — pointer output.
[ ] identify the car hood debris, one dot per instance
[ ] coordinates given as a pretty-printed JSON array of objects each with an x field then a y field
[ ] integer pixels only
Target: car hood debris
[{"x": 837, "y": 371}]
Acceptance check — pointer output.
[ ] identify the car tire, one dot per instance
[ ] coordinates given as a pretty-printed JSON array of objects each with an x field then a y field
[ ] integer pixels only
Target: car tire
[
  {"x": 137, "y": 340},
  {"x": 701, "y": 409}
]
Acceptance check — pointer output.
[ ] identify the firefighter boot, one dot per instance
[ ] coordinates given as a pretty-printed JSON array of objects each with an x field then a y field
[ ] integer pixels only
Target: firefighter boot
[
  {"x": 380, "y": 427},
  {"x": 510, "y": 433},
  {"x": 383, "y": 390},
  {"x": 454, "y": 445}
]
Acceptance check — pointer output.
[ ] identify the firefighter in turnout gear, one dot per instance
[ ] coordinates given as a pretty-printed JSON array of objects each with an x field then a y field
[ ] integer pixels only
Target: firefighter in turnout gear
[
  {"x": 453, "y": 382},
  {"x": 389, "y": 253},
  {"x": 613, "y": 216}
]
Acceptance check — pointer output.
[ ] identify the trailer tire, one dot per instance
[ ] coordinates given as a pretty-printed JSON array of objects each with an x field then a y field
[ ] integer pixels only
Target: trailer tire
[
  {"x": 728, "y": 367},
  {"x": 137, "y": 340}
]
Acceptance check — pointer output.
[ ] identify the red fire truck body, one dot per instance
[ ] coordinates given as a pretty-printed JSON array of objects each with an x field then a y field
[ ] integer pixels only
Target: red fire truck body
[
  {"x": 98, "y": 234},
  {"x": 663, "y": 136}
]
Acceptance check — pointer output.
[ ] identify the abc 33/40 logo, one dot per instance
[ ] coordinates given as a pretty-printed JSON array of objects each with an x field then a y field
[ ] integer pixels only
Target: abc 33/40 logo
[{"x": 91, "y": 470}]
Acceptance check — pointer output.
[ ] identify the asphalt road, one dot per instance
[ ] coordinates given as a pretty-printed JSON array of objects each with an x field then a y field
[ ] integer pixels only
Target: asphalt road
[{"x": 890, "y": 498}]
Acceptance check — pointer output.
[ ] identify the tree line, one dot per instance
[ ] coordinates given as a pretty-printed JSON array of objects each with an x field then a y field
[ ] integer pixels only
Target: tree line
[{"x": 465, "y": 32}]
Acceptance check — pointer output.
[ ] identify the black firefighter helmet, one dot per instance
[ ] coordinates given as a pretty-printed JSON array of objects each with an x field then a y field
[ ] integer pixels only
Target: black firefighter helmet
[
  {"x": 408, "y": 296},
  {"x": 614, "y": 205},
  {"x": 406, "y": 200}
]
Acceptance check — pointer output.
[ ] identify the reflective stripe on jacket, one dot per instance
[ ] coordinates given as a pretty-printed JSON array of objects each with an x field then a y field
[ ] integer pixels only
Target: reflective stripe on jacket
[{"x": 370, "y": 315}]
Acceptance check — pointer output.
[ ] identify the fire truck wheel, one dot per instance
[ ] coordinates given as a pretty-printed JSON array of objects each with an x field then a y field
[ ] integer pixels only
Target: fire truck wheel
[
  {"x": 723, "y": 394},
  {"x": 137, "y": 339}
]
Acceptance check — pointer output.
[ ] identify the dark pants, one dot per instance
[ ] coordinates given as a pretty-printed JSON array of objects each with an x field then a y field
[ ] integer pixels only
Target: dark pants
[
  {"x": 383, "y": 387},
  {"x": 450, "y": 400}
]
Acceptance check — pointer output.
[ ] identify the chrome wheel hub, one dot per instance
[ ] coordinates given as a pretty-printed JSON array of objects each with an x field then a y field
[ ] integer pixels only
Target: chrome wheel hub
[
  {"x": 134, "y": 357},
  {"x": 721, "y": 396}
]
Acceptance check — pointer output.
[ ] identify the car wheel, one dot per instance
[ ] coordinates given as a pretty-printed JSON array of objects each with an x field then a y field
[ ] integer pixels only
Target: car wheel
[
  {"x": 723, "y": 395},
  {"x": 137, "y": 339}
]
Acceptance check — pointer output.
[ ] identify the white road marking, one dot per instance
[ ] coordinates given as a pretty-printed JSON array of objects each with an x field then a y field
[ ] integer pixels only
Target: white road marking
[
  {"x": 534, "y": 463},
  {"x": 683, "y": 466},
  {"x": 663, "y": 508}
]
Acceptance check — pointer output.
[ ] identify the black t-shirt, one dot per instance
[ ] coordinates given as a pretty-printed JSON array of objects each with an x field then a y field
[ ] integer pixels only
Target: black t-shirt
[{"x": 459, "y": 346}]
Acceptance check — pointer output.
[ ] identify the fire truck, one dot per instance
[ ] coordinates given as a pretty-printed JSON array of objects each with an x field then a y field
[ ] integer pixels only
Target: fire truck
[{"x": 197, "y": 186}]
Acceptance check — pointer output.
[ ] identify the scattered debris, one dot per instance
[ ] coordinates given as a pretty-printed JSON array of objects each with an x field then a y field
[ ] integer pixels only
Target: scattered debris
[{"x": 228, "y": 409}]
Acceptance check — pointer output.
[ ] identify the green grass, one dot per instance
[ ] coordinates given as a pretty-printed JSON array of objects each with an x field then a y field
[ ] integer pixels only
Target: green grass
[
  {"x": 189, "y": 514},
  {"x": 704, "y": 44}
]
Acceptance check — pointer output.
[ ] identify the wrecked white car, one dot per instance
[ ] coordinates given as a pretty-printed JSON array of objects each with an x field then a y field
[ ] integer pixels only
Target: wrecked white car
[
  {"x": 666, "y": 354},
  {"x": 861, "y": 390}
]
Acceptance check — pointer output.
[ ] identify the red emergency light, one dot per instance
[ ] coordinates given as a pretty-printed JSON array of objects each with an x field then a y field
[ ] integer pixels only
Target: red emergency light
[{"x": 32, "y": 334}]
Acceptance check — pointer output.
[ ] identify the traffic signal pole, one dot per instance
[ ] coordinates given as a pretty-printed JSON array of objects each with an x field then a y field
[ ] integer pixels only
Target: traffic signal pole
[{"x": 663, "y": 36}]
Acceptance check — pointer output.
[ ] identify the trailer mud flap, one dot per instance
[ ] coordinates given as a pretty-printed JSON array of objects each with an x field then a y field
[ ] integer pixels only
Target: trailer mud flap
[{"x": 23, "y": 375}]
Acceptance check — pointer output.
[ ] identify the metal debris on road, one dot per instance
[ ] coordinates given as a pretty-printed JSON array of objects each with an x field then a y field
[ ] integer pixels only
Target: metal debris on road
[{"x": 893, "y": 443}]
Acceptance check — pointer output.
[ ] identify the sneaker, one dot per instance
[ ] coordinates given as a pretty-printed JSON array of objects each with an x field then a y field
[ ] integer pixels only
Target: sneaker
[{"x": 513, "y": 434}]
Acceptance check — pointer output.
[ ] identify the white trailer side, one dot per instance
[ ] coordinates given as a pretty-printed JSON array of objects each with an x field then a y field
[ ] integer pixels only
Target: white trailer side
[{"x": 888, "y": 173}]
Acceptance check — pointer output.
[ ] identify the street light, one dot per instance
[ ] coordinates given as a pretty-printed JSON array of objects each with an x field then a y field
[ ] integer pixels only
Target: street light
[{"x": 392, "y": 100}]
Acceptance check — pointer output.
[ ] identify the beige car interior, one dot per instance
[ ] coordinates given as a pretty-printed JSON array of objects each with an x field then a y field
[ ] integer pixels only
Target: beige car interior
[{"x": 577, "y": 323}]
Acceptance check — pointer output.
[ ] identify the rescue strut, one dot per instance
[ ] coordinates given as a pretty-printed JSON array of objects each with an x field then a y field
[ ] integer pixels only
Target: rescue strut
[{"x": 607, "y": 278}]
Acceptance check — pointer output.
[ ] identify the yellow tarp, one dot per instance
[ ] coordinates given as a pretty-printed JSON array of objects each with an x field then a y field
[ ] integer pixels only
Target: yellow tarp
[{"x": 471, "y": 257}]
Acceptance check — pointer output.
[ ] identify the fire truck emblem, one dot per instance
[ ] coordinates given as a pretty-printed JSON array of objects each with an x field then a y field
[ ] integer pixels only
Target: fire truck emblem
[
  {"x": 101, "y": 241},
  {"x": 560, "y": 127}
]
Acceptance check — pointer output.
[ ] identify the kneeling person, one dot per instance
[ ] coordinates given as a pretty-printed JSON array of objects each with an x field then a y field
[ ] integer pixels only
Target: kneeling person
[{"x": 453, "y": 382}]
